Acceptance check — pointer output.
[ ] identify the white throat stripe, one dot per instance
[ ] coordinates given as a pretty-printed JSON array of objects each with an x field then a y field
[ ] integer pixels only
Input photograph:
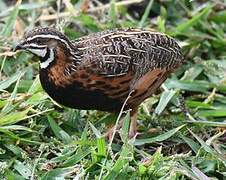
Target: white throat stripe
[
  {"x": 38, "y": 52},
  {"x": 45, "y": 64}
]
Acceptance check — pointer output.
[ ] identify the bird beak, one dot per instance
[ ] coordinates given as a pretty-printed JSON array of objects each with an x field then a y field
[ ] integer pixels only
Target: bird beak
[{"x": 19, "y": 46}]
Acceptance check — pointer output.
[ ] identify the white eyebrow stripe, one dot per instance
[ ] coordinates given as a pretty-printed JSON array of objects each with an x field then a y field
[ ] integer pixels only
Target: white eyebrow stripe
[
  {"x": 34, "y": 45},
  {"x": 49, "y": 36}
]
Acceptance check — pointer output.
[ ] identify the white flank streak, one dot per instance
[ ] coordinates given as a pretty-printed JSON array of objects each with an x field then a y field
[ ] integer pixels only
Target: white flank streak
[{"x": 45, "y": 64}]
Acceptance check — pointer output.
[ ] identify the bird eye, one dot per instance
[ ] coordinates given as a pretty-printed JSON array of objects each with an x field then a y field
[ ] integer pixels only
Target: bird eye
[{"x": 38, "y": 41}]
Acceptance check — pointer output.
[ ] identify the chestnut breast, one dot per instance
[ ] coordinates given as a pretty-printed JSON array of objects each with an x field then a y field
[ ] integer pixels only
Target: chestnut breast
[{"x": 83, "y": 89}]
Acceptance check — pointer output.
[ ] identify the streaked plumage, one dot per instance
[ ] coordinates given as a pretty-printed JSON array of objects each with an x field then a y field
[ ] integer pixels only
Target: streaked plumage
[{"x": 100, "y": 70}]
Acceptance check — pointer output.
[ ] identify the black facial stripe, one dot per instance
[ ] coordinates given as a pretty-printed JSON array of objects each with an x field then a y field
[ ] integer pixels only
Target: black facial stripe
[
  {"x": 46, "y": 56},
  {"x": 36, "y": 47}
]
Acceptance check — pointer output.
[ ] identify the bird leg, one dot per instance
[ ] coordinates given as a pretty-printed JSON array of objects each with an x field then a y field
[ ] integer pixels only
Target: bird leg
[
  {"x": 133, "y": 124},
  {"x": 132, "y": 129},
  {"x": 111, "y": 130}
]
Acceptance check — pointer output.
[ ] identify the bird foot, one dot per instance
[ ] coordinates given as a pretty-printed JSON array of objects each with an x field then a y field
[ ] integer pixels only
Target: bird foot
[
  {"x": 133, "y": 134},
  {"x": 110, "y": 132}
]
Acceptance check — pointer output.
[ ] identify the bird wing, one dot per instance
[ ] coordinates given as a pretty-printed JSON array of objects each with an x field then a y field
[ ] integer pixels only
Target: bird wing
[
  {"x": 142, "y": 59},
  {"x": 115, "y": 53}
]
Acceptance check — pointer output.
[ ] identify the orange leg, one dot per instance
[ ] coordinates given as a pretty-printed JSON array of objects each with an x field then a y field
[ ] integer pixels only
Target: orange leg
[{"x": 132, "y": 128}]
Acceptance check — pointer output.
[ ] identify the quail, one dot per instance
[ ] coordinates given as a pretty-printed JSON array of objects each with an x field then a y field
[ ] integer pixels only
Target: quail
[{"x": 100, "y": 70}]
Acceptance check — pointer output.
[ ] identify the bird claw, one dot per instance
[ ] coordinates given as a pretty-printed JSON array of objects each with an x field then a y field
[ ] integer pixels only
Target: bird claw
[
  {"x": 110, "y": 132},
  {"x": 134, "y": 134}
]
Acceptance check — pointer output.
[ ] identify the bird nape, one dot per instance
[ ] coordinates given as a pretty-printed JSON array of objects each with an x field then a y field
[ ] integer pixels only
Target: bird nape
[{"x": 100, "y": 70}]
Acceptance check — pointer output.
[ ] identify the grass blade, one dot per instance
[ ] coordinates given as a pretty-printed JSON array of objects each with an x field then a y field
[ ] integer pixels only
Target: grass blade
[
  {"x": 183, "y": 27},
  {"x": 8, "y": 28},
  {"x": 24, "y": 170},
  {"x": 77, "y": 157},
  {"x": 209, "y": 123},
  {"x": 59, "y": 133},
  {"x": 112, "y": 14},
  {"x": 158, "y": 138},
  {"x": 9, "y": 81},
  {"x": 212, "y": 113},
  {"x": 13, "y": 118},
  {"x": 95, "y": 130},
  {"x": 146, "y": 13},
  {"x": 208, "y": 148},
  {"x": 164, "y": 100},
  {"x": 125, "y": 128}
]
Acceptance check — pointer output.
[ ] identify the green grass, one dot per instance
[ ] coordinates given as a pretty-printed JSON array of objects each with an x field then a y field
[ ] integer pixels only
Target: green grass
[{"x": 40, "y": 140}]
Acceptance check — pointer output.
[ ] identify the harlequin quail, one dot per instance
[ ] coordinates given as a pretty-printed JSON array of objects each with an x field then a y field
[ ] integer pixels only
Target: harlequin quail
[{"x": 99, "y": 71}]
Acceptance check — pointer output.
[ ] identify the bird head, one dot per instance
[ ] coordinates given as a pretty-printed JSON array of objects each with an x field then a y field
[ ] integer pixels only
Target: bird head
[{"x": 44, "y": 42}]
